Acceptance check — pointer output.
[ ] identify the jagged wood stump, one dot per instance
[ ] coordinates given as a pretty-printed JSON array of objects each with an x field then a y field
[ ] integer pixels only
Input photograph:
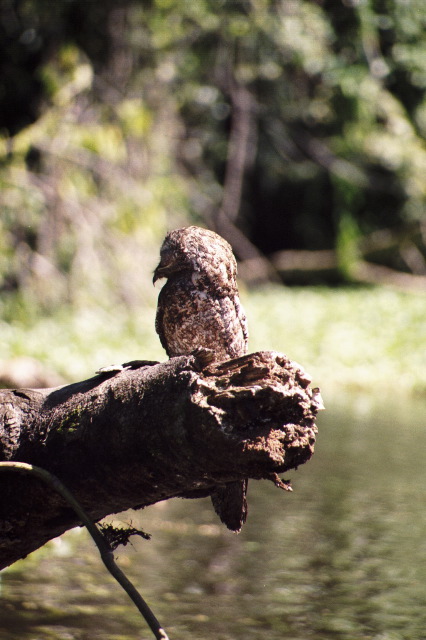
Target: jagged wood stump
[{"x": 151, "y": 431}]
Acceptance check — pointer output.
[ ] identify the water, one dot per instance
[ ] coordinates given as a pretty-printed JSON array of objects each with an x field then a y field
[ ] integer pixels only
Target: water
[{"x": 342, "y": 558}]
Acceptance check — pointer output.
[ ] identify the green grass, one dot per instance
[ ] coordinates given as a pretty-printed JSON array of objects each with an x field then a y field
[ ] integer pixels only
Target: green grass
[
  {"x": 77, "y": 342},
  {"x": 350, "y": 339},
  {"x": 367, "y": 339}
]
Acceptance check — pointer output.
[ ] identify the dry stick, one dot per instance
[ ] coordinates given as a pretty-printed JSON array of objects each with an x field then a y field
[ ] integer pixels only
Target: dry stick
[{"x": 106, "y": 553}]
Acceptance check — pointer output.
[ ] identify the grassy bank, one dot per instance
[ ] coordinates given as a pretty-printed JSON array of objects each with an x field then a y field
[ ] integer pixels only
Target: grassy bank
[{"x": 354, "y": 339}]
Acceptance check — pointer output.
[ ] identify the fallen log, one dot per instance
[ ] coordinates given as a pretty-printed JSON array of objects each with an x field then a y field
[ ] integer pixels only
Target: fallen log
[{"x": 144, "y": 432}]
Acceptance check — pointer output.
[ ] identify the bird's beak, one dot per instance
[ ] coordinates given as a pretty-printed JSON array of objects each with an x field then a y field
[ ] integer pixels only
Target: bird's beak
[
  {"x": 157, "y": 274},
  {"x": 161, "y": 271},
  {"x": 165, "y": 267}
]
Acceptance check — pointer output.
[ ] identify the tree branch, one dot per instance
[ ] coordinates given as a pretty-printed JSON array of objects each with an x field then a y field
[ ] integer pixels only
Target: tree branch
[
  {"x": 242, "y": 145},
  {"x": 129, "y": 438},
  {"x": 104, "y": 548}
]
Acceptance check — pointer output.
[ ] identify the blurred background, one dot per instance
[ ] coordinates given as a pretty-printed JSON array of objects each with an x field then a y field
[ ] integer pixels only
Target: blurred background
[{"x": 295, "y": 129}]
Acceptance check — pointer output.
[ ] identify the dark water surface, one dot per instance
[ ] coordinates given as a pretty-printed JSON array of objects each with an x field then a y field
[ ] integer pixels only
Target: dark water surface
[{"x": 342, "y": 558}]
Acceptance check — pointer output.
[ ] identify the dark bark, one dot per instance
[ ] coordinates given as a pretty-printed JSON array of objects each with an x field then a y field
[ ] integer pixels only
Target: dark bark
[{"x": 130, "y": 438}]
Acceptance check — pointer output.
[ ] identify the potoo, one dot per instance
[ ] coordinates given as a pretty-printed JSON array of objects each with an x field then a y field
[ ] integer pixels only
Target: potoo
[{"x": 199, "y": 306}]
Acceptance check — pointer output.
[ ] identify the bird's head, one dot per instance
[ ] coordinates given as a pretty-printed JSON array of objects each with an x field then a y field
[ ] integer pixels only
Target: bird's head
[{"x": 195, "y": 250}]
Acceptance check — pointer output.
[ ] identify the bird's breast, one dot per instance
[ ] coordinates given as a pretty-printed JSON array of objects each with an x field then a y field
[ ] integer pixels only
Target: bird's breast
[{"x": 193, "y": 318}]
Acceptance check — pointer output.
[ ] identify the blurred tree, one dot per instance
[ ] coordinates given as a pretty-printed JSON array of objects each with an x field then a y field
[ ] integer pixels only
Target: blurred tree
[{"x": 286, "y": 124}]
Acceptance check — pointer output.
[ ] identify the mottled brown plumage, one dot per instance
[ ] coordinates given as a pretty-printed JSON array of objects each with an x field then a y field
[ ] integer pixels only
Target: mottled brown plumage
[{"x": 199, "y": 306}]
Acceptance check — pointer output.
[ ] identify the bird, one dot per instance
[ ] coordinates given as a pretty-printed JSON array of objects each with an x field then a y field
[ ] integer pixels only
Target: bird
[{"x": 199, "y": 307}]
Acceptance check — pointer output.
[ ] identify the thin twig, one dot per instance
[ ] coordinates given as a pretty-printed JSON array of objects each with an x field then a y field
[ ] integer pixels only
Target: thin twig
[{"x": 104, "y": 550}]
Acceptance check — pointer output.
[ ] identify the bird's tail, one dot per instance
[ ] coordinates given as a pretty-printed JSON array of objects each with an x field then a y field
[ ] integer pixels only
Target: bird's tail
[{"x": 230, "y": 503}]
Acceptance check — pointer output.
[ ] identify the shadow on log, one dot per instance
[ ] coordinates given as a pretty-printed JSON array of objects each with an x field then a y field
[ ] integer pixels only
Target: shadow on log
[{"x": 146, "y": 432}]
